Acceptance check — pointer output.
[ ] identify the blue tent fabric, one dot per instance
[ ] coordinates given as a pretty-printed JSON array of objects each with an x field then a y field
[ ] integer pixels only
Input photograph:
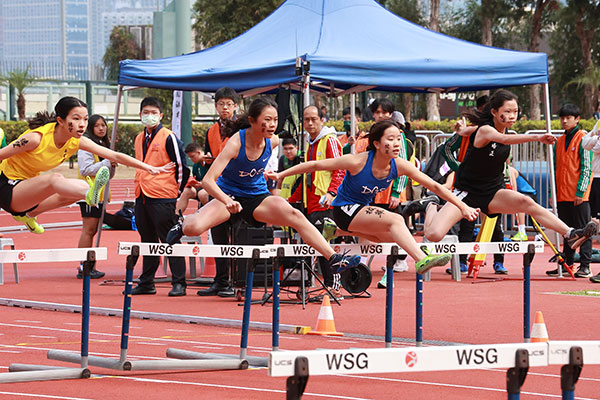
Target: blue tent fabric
[{"x": 348, "y": 43}]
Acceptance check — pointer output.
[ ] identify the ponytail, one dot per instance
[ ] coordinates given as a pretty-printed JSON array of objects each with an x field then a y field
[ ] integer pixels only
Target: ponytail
[{"x": 41, "y": 118}]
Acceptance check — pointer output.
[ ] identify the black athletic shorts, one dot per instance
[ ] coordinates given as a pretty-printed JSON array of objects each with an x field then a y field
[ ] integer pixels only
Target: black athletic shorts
[
  {"x": 476, "y": 200},
  {"x": 6, "y": 194},
  {"x": 249, "y": 204},
  {"x": 88, "y": 211},
  {"x": 343, "y": 215}
]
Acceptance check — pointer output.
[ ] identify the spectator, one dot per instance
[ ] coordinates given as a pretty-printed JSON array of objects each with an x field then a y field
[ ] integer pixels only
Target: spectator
[
  {"x": 320, "y": 187},
  {"x": 193, "y": 189},
  {"x": 156, "y": 197},
  {"x": 89, "y": 164},
  {"x": 226, "y": 104},
  {"x": 591, "y": 142},
  {"x": 289, "y": 158},
  {"x": 573, "y": 169},
  {"x": 324, "y": 112}
]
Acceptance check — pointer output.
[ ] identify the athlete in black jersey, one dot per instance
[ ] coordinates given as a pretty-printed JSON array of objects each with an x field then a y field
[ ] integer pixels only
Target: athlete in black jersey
[{"x": 480, "y": 181}]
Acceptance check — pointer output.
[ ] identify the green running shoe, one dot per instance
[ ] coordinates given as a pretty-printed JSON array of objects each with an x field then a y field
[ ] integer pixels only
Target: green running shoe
[
  {"x": 30, "y": 223},
  {"x": 431, "y": 260},
  {"x": 92, "y": 197},
  {"x": 329, "y": 228}
]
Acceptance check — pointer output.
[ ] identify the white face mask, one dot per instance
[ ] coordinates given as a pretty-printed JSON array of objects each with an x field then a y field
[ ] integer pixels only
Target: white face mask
[{"x": 150, "y": 120}]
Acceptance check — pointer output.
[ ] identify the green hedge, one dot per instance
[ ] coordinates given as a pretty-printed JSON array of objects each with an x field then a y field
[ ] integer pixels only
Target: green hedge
[{"x": 126, "y": 133}]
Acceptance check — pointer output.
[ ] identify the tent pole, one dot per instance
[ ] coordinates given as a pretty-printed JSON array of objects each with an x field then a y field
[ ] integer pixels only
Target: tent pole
[
  {"x": 551, "y": 176},
  {"x": 113, "y": 140},
  {"x": 353, "y": 119}
]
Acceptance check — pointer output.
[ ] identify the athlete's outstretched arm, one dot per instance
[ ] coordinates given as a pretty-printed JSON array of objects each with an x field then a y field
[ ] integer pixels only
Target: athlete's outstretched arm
[
  {"x": 88, "y": 145},
  {"x": 347, "y": 162}
]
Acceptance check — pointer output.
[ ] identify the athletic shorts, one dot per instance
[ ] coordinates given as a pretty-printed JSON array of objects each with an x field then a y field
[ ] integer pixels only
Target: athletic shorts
[
  {"x": 88, "y": 211},
  {"x": 6, "y": 194},
  {"x": 249, "y": 204},
  {"x": 343, "y": 215},
  {"x": 476, "y": 200}
]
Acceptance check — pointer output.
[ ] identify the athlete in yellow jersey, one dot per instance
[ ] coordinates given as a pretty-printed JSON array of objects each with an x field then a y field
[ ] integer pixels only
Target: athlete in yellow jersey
[{"x": 51, "y": 140}]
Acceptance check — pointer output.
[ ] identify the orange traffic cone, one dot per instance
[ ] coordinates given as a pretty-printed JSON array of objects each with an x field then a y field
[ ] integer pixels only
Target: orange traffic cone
[
  {"x": 325, "y": 323},
  {"x": 539, "y": 333}
]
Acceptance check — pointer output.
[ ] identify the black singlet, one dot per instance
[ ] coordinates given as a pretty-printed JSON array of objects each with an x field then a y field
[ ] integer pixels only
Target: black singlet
[{"x": 482, "y": 170}]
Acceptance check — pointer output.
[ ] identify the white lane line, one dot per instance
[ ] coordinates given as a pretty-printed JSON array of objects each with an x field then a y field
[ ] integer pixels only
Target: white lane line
[
  {"x": 42, "y": 337},
  {"x": 10, "y": 351},
  {"x": 180, "y": 330},
  {"x": 27, "y": 321},
  {"x": 43, "y": 396},
  {"x": 209, "y": 347},
  {"x": 162, "y": 381}
]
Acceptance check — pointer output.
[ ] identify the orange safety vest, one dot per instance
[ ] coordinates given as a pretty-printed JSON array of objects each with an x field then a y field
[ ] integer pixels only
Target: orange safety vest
[
  {"x": 215, "y": 142},
  {"x": 160, "y": 186},
  {"x": 568, "y": 168}
]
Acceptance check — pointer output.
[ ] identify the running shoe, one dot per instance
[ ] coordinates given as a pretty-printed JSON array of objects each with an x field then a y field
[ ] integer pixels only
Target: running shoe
[
  {"x": 341, "y": 262},
  {"x": 92, "y": 197},
  {"x": 519, "y": 237},
  {"x": 176, "y": 232},
  {"x": 94, "y": 274},
  {"x": 399, "y": 266},
  {"x": 578, "y": 236},
  {"x": 554, "y": 272},
  {"x": 382, "y": 284},
  {"x": 329, "y": 228},
  {"x": 464, "y": 269},
  {"x": 419, "y": 206},
  {"x": 583, "y": 272},
  {"x": 431, "y": 260},
  {"x": 30, "y": 223},
  {"x": 499, "y": 268},
  {"x": 595, "y": 278}
]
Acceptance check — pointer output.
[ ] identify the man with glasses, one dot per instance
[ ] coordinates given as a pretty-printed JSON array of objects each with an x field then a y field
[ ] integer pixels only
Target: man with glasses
[{"x": 226, "y": 103}]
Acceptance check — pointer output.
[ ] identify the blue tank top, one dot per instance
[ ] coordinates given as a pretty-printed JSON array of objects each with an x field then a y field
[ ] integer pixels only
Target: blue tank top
[
  {"x": 362, "y": 187},
  {"x": 245, "y": 178}
]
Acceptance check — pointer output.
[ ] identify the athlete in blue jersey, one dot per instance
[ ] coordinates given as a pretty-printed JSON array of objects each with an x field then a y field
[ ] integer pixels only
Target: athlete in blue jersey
[
  {"x": 241, "y": 188},
  {"x": 369, "y": 173}
]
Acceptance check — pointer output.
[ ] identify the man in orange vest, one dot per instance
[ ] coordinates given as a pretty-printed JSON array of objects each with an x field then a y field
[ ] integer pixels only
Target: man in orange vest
[
  {"x": 156, "y": 195},
  {"x": 573, "y": 169},
  {"x": 226, "y": 103}
]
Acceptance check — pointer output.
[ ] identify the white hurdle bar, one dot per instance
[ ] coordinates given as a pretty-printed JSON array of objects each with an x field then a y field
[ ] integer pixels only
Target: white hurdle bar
[
  {"x": 51, "y": 255},
  {"x": 296, "y": 250},
  {"x": 29, "y": 373},
  {"x": 515, "y": 357}
]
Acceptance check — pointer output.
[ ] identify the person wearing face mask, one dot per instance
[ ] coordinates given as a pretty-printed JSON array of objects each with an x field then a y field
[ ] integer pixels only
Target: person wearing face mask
[{"x": 156, "y": 196}]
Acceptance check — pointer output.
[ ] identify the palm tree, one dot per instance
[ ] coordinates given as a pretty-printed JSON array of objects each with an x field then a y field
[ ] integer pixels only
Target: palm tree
[
  {"x": 19, "y": 79},
  {"x": 590, "y": 79}
]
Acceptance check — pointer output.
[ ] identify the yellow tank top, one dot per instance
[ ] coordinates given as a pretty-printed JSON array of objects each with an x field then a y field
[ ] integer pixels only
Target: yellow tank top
[{"x": 43, "y": 158}]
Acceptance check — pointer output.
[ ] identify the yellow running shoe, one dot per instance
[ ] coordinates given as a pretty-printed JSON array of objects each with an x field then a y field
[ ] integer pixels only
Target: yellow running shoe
[
  {"x": 93, "y": 195},
  {"x": 519, "y": 237},
  {"x": 431, "y": 260},
  {"x": 30, "y": 223}
]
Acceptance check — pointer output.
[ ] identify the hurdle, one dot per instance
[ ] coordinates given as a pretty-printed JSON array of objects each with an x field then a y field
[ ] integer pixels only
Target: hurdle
[
  {"x": 133, "y": 251},
  {"x": 515, "y": 357},
  {"x": 30, "y": 373}
]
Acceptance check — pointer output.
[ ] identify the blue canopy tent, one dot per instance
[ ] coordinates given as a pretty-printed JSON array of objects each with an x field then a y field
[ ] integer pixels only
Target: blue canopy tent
[
  {"x": 348, "y": 43},
  {"x": 339, "y": 47}
]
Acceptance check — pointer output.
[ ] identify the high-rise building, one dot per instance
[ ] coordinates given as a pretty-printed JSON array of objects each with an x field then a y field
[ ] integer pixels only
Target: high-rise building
[{"x": 64, "y": 39}]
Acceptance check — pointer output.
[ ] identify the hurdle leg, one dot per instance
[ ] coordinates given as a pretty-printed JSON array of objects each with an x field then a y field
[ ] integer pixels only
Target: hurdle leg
[
  {"x": 389, "y": 295},
  {"x": 129, "y": 266},
  {"x": 296, "y": 384},
  {"x": 277, "y": 262},
  {"x": 248, "y": 301},
  {"x": 88, "y": 265},
  {"x": 516, "y": 376},
  {"x": 569, "y": 373},
  {"x": 527, "y": 258}
]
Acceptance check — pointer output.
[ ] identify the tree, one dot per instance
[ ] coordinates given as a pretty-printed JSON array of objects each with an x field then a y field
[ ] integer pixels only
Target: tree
[
  {"x": 570, "y": 56},
  {"x": 20, "y": 80},
  {"x": 410, "y": 10},
  {"x": 219, "y": 21},
  {"x": 590, "y": 79},
  {"x": 122, "y": 46}
]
